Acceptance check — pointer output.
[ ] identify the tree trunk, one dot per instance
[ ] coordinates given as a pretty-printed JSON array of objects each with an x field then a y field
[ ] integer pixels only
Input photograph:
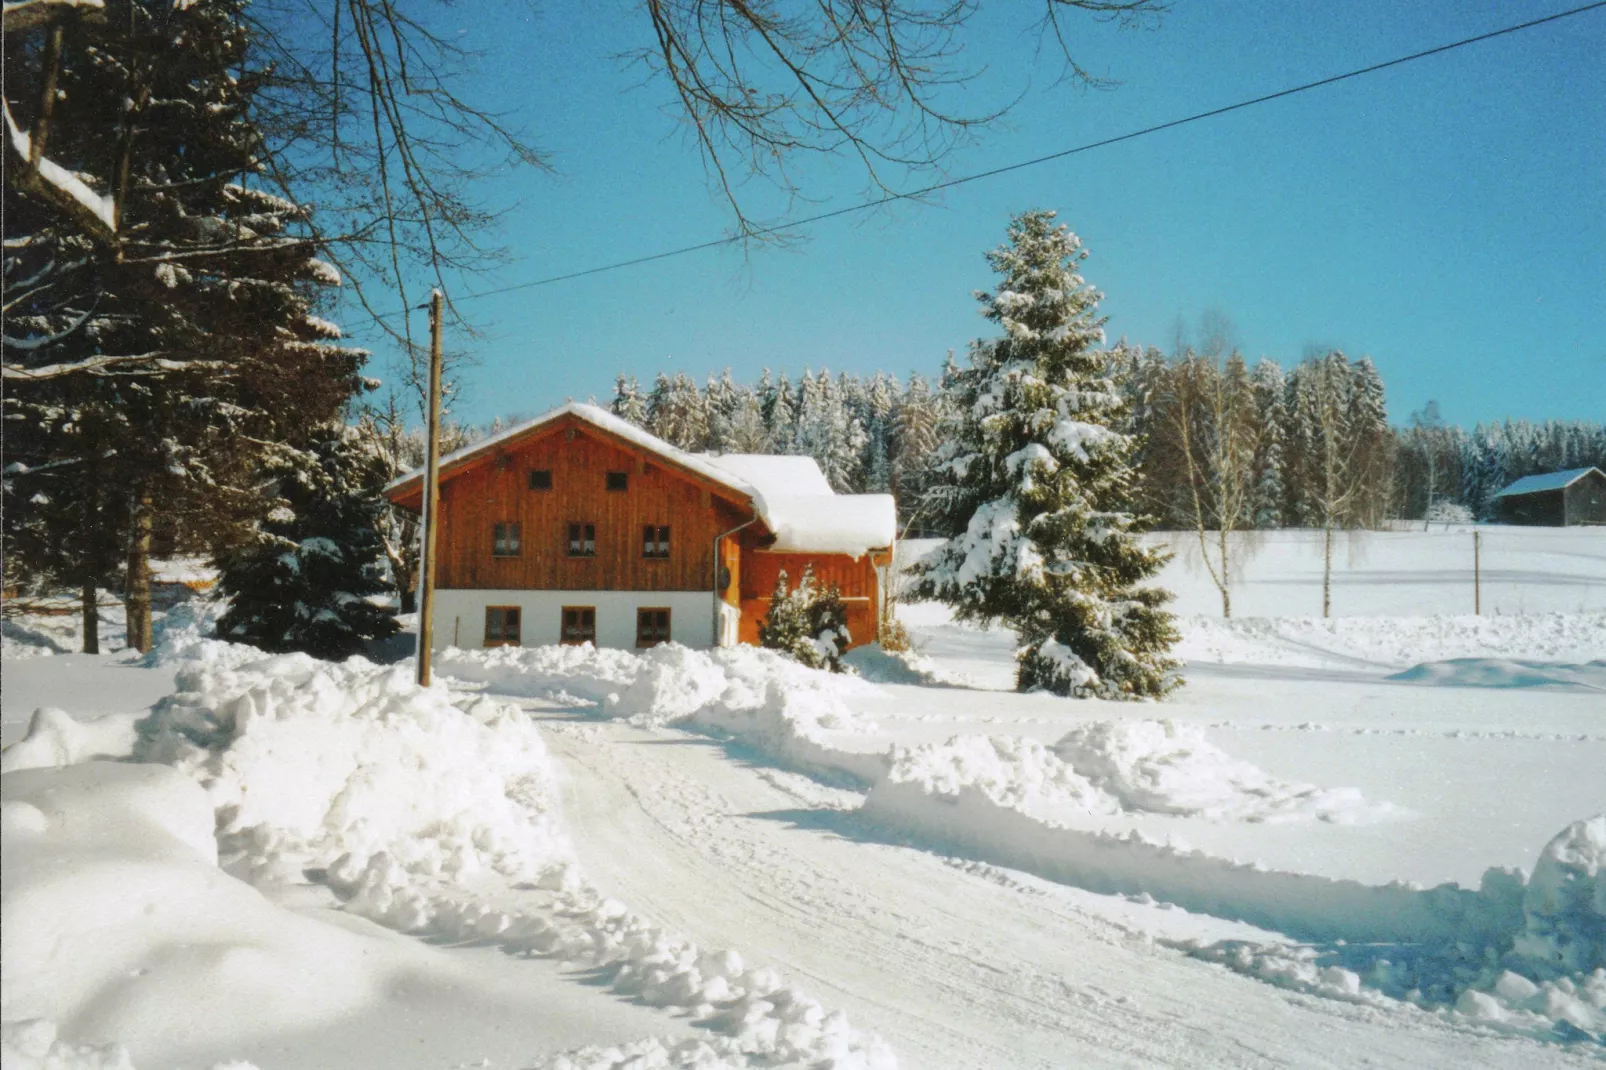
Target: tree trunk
[
  {"x": 137, "y": 604},
  {"x": 1226, "y": 577},
  {"x": 91, "y": 619},
  {"x": 1327, "y": 570}
]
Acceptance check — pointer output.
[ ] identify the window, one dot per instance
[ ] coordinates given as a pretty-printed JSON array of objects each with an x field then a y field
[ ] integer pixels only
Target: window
[
  {"x": 540, "y": 479},
  {"x": 582, "y": 540},
  {"x": 505, "y": 540},
  {"x": 618, "y": 480},
  {"x": 579, "y": 625},
  {"x": 654, "y": 541},
  {"x": 501, "y": 625},
  {"x": 652, "y": 627}
]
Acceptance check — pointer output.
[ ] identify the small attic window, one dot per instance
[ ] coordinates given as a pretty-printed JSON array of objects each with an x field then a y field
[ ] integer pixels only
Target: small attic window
[
  {"x": 540, "y": 479},
  {"x": 618, "y": 480}
]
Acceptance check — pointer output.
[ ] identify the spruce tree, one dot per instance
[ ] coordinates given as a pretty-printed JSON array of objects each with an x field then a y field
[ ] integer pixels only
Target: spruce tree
[
  {"x": 160, "y": 374},
  {"x": 306, "y": 579},
  {"x": 1029, "y": 473}
]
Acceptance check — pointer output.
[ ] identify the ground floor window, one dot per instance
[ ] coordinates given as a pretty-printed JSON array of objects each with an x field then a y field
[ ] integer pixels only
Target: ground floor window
[
  {"x": 579, "y": 624},
  {"x": 502, "y": 626},
  {"x": 652, "y": 627}
]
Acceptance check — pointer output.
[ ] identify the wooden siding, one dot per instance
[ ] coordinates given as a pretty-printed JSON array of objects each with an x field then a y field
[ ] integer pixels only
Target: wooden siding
[
  {"x": 497, "y": 492},
  {"x": 856, "y": 578}
]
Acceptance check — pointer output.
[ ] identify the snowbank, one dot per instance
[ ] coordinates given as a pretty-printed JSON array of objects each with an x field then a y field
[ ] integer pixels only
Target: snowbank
[
  {"x": 1507, "y": 672},
  {"x": 788, "y": 711},
  {"x": 881, "y": 666},
  {"x": 1516, "y": 954},
  {"x": 55, "y": 738},
  {"x": 427, "y": 811},
  {"x": 1544, "y": 977},
  {"x": 1168, "y": 767},
  {"x": 1391, "y": 642}
]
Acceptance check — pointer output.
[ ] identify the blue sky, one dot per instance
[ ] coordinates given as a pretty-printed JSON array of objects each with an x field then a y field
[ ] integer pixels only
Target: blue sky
[{"x": 1446, "y": 218}]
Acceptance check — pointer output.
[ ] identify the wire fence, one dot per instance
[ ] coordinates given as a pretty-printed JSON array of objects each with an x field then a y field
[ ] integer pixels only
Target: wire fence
[{"x": 1454, "y": 570}]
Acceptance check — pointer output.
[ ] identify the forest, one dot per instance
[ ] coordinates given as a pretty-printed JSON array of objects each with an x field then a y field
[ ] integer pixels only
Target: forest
[{"x": 1243, "y": 446}]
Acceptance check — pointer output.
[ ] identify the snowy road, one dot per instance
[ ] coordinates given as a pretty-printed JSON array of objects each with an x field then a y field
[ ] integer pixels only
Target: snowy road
[{"x": 955, "y": 964}]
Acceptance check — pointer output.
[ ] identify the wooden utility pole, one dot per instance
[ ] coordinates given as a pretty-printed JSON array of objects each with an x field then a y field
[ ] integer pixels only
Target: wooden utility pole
[
  {"x": 432, "y": 495},
  {"x": 1477, "y": 575}
]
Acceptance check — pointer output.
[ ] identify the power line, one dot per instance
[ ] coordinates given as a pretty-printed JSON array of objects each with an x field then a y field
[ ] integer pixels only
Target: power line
[{"x": 1021, "y": 165}]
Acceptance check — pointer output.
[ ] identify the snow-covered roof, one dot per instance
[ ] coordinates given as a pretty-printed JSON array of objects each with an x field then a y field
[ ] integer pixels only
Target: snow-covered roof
[
  {"x": 831, "y": 523},
  {"x": 1546, "y": 481},
  {"x": 790, "y": 494},
  {"x": 773, "y": 474}
]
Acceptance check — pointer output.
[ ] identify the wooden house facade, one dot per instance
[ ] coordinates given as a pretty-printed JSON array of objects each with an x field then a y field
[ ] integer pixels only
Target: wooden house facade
[
  {"x": 580, "y": 527},
  {"x": 1555, "y": 499}
]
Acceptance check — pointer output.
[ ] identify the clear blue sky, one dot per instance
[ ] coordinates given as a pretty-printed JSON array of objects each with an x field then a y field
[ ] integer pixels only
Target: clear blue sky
[{"x": 1447, "y": 218}]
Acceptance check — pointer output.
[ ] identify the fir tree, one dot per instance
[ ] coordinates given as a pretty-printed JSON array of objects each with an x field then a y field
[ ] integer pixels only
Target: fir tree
[
  {"x": 1029, "y": 470},
  {"x": 306, "y": 579}
]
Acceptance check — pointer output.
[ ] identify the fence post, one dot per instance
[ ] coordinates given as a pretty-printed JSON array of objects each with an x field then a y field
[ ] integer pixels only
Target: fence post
[{"x": 1477, "y": 575}]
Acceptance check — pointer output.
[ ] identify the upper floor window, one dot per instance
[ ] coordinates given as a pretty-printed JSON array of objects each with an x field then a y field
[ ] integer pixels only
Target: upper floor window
[
  {"x": 655, "y": 540},
  {"x": 540, "y": 479},
  {"x": 505, "y": 540},
  {"x": 582, "y": 540},
  {"x": 618, "y": 480}
]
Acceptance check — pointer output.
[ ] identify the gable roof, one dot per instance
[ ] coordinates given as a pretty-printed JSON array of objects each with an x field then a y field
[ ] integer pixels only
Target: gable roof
[
  {"x": 1546, "y": 481},
  {"x": 790, "y": 495}
]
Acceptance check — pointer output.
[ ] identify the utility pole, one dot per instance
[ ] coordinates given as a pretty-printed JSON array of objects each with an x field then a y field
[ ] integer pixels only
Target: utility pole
[
  {"x": 1477, "y": 575},
  {"x": 432, "y": 495}
]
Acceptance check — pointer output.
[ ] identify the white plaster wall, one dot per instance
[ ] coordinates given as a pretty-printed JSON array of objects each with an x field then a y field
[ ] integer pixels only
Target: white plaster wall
[{"x": 460, "y": 615}]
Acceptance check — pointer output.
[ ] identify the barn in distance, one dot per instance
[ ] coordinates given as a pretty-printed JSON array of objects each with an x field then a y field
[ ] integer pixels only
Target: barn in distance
[
  {"x": 1555, "y": 499},
  {"x": 580, "y": 527}
]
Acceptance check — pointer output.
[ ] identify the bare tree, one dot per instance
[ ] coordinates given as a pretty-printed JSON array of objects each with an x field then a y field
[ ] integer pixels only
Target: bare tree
[
  {"x": 1206, "y": 409},
  {"x": 1344, "y": 463},
  {"x": 370, "y": 112}
]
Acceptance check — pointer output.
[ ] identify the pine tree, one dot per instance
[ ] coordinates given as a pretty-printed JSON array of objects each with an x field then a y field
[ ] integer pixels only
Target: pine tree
[
  {"x": 306, "y": 579},
  {"x": 1029, "y": 471},
  {"x": 161, "y": 378}
]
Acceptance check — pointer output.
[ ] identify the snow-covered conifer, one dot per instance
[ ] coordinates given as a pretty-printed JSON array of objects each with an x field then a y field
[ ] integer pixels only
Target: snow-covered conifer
[
  {"x": 628, "y": 403},
  {"x": 1030, "y": 468},
  {"x": 306, "y": 579}
]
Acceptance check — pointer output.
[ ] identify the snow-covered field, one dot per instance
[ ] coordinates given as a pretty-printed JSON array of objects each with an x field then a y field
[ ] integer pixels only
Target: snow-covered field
[{"x": 1368, "y": 840}]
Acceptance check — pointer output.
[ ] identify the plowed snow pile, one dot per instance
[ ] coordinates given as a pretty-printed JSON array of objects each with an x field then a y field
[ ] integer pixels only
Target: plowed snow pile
[
  {"x": 757, "y": 696},
  {"x": 428, "y": 813},
  {"x": 1391, "y": 642}
]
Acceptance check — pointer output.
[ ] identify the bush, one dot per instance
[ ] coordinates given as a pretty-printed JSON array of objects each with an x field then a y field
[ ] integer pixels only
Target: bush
[{"x": 807, "y": 624}]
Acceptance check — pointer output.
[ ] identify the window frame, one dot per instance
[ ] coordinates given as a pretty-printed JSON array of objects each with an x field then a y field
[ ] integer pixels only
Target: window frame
[
  {"x": 540, "y": 479},
  {"x": 651, "y": 631},
  {"x": 498, "y": 529},
  {"x": 616, "y": 476},
  {"x": 582, "y": 534},
  {"x": 517, "y": 614},
  {"x": 655, "y": 542},
  {"x": 563, "y": 625}
]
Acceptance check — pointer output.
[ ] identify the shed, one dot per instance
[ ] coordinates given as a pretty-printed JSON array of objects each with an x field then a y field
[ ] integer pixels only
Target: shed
[{"x": 1555, "y": 499}]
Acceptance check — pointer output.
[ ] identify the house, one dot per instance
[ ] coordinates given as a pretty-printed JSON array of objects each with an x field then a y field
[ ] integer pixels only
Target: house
[
  {"x": 1556, "y": 499},
  {"x": 581, "y": 527}
]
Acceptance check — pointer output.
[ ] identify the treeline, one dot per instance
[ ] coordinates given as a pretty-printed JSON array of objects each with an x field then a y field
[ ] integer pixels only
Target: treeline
[
  {"x": 1224, "y": 443},
  {"x": 869, "y": 435}
]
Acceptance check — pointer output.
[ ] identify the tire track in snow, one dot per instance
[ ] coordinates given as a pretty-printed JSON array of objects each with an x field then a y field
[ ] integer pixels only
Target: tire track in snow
[{"x": 954, "y": 969}]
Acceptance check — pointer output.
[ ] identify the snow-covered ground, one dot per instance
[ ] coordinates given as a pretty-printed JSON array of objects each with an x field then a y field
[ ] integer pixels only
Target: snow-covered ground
[{"x": 1355, "y": 841}]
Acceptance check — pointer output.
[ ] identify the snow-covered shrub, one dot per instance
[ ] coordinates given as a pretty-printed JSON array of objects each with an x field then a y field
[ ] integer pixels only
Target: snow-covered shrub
[{"x": 809, "y": 623}]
